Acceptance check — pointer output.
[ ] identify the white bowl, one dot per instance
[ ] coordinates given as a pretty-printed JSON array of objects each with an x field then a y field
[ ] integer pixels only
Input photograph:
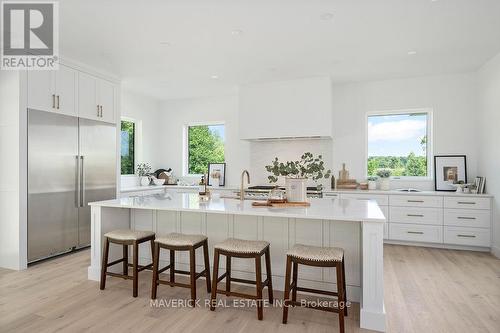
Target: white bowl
[{"x": 159, "y": 181}]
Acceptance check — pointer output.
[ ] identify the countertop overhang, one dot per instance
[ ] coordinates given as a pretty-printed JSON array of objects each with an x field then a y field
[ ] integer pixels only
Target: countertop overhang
[{"x": 321, "y": 209}]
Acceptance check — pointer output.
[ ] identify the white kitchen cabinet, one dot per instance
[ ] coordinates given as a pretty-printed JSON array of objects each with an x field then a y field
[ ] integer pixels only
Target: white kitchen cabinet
[
  {"x": 467, "y": 236},
  {"x": 53, "y": 91},
  {"x": 417, "y": 215},
  {"x": 96, "y": 98},
  {"x": 416, "y": 233}
]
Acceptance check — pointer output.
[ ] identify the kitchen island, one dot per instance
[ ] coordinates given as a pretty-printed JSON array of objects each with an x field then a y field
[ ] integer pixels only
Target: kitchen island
[{"x": 354, "y": 225}]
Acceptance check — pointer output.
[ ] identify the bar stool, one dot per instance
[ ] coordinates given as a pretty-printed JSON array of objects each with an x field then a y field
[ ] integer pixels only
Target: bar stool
[
  {"x": 180, "y": 242},
  {"x": 125, "y": 237},
  {"x": 240, "y": 248},
  {"x": 318, "y": 257}
]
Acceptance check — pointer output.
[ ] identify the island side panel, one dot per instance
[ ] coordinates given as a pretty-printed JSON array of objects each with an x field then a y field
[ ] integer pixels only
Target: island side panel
[
  {"x": 372, "y": 312},
  {"x": 103, "y": 220}
]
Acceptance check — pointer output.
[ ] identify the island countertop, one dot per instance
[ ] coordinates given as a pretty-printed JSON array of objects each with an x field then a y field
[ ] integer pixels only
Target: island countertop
[{"x": 324, "y": 209}]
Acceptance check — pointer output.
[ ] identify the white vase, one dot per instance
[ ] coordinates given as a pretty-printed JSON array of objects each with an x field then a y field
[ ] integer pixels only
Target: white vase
[
  {"x": 144, "y": 181},
  {"x": 385, "y": 184},
  {"x": 296, "y": 190},
  {"x": 372, "y": 185}
]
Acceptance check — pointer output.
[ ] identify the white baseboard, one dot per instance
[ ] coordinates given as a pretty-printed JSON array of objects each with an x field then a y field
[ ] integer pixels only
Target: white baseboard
[
  {"x": 495, "y": 250},
  {"x": 373, "y": 320}
]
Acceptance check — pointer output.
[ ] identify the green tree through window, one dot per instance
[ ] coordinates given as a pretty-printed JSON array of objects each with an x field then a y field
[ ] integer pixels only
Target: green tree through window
[
  {"x": 398, "y": 142},
  {"x": 205, "y": 145},
  {"x": 127, "y": 147}
]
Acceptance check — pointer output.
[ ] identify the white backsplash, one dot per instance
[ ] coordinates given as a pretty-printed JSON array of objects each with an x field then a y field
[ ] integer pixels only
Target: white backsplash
[{"x": 263, "y": 153}]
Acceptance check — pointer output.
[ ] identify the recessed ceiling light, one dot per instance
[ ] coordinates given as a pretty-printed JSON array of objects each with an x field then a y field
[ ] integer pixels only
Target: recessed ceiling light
[
  {"x": 215, "y": 77},
  {"x": 236, "y": 32},
  {"x": 413, "y": 52},
  {"x": 326, "y": 16}
]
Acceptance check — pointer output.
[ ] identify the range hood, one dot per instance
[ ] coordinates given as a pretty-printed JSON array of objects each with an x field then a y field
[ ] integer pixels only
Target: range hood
[{"x": 286, "y": 110}]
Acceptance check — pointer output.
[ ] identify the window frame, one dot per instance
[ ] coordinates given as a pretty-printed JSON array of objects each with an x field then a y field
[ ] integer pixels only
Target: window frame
[
  {"x": 136, "y": 141},
  {"x": 430, "y": 141},
  {"x": 185, "y": 141}
]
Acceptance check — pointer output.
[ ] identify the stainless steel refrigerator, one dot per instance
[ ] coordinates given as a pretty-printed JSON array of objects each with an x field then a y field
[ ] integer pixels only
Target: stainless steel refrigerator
[{"x": 71, "y": 162}]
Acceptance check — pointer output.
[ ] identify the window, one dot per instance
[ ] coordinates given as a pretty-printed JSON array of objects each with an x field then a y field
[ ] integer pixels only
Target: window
[
  {"x": 399, "y": 142},
  {"x": 127, "y": 147},
  {"x": 205, "y": 144}
]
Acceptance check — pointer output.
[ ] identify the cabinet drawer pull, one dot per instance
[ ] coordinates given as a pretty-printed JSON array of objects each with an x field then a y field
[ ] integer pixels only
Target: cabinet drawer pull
[
  {"x": 418, "y": 201},
  {"x": 415, "y": 232},
  {"x": 465, "y": 218},
  {"x": 53, "y": 101},
  {"x": 98, "y": 110},
  {"x": 466, "y": 203},
  {"x": 415, "y": 215},
  {"x": 57, "y": 101},
  {"x": 101, "y": 110},
  {"x": 466, "y": 236}
]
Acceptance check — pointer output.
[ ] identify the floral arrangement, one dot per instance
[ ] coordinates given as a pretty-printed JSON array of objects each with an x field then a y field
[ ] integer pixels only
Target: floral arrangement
[
  {"x": 307, "y": 167},
  {"x": 143, "y": 169},
  {"x": 384, "y": 173}
]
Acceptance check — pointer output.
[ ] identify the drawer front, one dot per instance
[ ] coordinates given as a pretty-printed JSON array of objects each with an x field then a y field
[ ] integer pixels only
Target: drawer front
[
  {"x": 416, "y": 201},
  {"x": 467, "y": 202},
  {"x": 467, "y": 218},
  {"x": 467, "y": 236},
  {"x": 416, "y": 233},
  {"x": 382, "y": 200},
  {"x": 416, "y": 215}
]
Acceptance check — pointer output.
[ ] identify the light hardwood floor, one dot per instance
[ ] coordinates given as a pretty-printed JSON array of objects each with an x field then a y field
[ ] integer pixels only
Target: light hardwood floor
[{"x": 426, "y": 290}]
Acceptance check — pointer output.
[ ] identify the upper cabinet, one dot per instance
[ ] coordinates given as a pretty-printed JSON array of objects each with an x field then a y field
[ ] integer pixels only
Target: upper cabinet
[
  {"x": 72, "y": 92},
  {"x": 286, "y": 109},
  {"x": 96, "y": 98},
  {"x": 53, "y": 91}
]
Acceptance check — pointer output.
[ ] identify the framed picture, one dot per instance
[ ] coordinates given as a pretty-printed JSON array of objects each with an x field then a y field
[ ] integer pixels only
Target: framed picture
[
  {"x": 216, "y": 174},
  {"x": 449, "y": 170}
]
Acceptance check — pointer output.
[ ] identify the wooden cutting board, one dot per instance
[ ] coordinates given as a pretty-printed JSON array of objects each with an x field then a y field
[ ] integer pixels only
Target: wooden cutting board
[{"x": 280, "y": 205}]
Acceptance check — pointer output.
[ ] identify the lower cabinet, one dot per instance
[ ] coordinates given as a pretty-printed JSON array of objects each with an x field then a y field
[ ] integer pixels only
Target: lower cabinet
[
  {"x": 467, "y": 236},
  {"x": 416, "y": 232}
]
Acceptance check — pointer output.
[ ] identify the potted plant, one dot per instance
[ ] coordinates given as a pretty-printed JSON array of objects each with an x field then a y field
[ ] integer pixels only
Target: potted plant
[
  {"x": 372, "y": 182},
  {"x": 384, "y": 175},
  {"x": 296, "y": 173},
  {"x": 144, "y": 171}
]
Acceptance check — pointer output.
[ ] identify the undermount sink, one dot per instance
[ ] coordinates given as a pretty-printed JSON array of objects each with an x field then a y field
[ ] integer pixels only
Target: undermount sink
[{"x": 408, "y": 190}]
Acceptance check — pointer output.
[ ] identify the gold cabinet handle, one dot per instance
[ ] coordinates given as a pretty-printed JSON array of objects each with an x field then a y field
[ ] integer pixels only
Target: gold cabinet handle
[{"x": 57, "y": 101}]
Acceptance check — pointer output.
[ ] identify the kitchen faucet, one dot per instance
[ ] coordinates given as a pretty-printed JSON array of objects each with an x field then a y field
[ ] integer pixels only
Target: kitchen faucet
[{"x": 242, "y": 189}]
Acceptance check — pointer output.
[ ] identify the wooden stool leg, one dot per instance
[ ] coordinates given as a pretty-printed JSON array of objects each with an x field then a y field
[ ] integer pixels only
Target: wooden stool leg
[
  {"x": 207, "y": 266},
  {"x": 156, "y": 260},
  {"x": 345, "y": 289},
  {"x": 228, "y": 273},
  {"x": 192, "y": 271},
  {"x": 341, "y": 298},
  {"x": 135, "y": 269},
  {"x": 104, "y": 265},
  {"x": 269, "y": 276},
  {"x": 172, "y": 266},
  {"x": 295, "y": 281},
  {"x": 286, "y": 295},
  {"x": 125, "y": 259},
  {"x": 152, "y": 242},
  {"x": 258, "y": 280},
  {"x": 215, "y": 277}
]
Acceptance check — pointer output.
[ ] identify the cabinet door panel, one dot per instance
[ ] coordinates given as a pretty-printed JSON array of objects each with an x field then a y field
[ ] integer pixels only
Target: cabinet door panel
[
  {"x": 106, "y": 98},
  {"x": 87, "y": 100},
  {"x": 65, "y": 87},
  {"x": 41, "y": 90}
]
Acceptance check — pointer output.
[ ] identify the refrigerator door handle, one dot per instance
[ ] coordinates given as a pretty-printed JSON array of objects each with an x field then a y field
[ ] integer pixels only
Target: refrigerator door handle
[
  {"x": 77, "y": 180},
  {"x": 82, "y": 182}
]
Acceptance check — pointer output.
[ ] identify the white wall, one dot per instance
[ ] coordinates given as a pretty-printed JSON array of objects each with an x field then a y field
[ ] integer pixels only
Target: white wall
[
  {"x": 12, "y": 221},
  {"x": 489, "y": 144},
  {"x": 145, "y": 112},
  {"x": 176, "y": 114},
  {"x": 453, "y": 99}
]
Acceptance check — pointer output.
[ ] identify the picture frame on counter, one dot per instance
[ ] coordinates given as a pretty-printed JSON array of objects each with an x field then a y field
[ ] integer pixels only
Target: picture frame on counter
[
  {"x": 216, "y": 174},
  {"x": 448, "y": 171},
  {"x": 479, "y": 182}
]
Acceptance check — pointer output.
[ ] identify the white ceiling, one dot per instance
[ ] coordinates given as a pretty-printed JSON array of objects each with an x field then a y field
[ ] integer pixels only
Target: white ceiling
[{"x": 365, "y": 40}]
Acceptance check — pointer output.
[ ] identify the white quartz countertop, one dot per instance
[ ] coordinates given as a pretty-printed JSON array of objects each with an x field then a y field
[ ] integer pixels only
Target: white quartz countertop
[
  {"x": 158, "y": 187},
  {"x": 396, "y": 192},
  {"x": 323, "y": 209}
]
